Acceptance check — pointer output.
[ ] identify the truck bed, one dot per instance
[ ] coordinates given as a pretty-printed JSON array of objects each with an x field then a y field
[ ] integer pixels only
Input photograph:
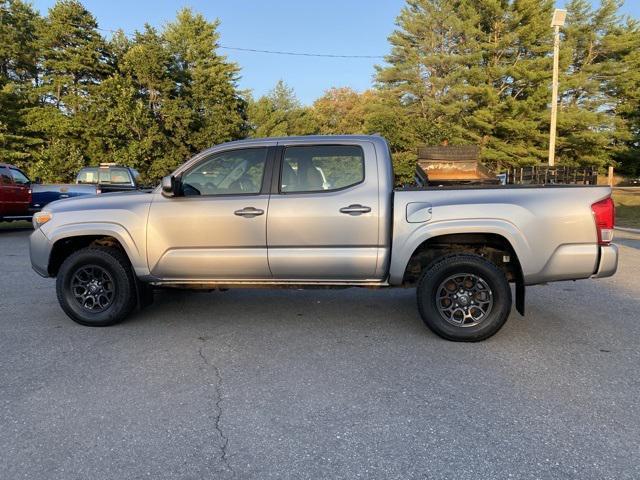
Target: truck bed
[{"x": 551, "y": 227}]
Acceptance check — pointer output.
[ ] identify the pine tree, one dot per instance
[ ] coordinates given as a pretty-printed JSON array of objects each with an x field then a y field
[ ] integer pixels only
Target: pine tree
[
  {"x": 279, "y": 113},
  {"x": 423, "y": 65},
  {"x": 18, "y": 71},
  {"x": 74, "y": 59},
  {"x": 588, "y": 131},
  {"x": 624, "y": 87},
  {"x": 207, "y": 83},
  {"x": 474, "y": 72}
]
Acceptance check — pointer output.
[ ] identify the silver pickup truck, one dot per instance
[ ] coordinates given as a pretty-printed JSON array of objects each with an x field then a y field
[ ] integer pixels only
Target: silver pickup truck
[{"x": 322, "y": 211}]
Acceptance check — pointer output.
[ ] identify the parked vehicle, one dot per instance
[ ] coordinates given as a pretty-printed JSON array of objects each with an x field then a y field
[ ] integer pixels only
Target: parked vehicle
[
  {"x": 108, "y": 177},
  {"x": 259, "y": 213},
  {"x": 43, "y": 194},
  {"x": 15, "y": 193},
  {"x": 111, "y": 177}
]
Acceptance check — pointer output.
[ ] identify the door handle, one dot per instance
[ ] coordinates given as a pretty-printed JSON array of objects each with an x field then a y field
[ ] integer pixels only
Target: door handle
[
  {"x": 249, "y": 212},
  {"x": 355, "y": 209}
]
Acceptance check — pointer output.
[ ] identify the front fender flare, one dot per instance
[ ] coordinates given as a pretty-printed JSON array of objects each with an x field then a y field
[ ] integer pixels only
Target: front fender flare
[{"x": 136, "y": 253}]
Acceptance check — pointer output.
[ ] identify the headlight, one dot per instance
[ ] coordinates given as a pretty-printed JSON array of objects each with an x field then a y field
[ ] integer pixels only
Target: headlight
[{"x": 41, "y": 218}]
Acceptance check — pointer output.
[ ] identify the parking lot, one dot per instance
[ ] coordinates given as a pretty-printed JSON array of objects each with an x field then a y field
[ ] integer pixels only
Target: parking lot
[{"x": 318, "y": 384}]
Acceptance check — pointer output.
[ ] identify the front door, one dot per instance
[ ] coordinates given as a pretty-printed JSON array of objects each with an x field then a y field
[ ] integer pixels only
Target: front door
[
  {"x": 323, "y": 221},
  {"x": 216, "y": 229},
  {"x": 5, "y": 182},
  {"x": 18, "y": 192}
]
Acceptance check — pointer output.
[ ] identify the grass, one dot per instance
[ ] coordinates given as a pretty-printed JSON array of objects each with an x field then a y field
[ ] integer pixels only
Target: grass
[
  {"x": 627, "y": 207},
  {"x": 15, "y": 225}
]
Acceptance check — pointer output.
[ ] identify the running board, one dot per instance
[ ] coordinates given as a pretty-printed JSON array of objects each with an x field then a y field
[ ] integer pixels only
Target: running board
[{"x": 212, "y": 284}]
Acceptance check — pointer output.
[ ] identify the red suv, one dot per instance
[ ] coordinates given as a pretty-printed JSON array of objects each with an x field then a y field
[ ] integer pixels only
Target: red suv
[{"x": 15, "y": 193}]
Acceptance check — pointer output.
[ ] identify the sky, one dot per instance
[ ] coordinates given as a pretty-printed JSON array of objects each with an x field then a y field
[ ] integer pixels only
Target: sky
[{"x": 346, "y": 27}]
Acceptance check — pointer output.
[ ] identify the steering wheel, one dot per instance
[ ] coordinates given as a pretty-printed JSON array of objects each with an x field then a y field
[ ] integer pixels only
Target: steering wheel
[{"x": 189, "y": 189}]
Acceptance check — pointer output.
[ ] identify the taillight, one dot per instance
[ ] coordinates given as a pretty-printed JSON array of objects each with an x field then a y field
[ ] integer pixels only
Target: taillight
[{"x": 604, "y": 213}]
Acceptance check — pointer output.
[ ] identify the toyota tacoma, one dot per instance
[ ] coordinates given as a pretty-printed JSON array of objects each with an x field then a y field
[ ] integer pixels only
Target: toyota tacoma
[{"x": 323, "y": 211}]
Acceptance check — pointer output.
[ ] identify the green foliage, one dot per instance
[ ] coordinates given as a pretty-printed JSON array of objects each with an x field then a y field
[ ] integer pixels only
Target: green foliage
[
  {"x": 69, "y": 98},
  {"x": 279, "y": 113},
  {"x": 461, "y": 71},
  {"x": 18, "y": 70},
  {"x": 404, "y": 167},
  {"x": 479, "y": 72},
  {"x": 624, "y": 86},
  {"x": 59, "y": 161},
  {"x": 588, "y": 130}
]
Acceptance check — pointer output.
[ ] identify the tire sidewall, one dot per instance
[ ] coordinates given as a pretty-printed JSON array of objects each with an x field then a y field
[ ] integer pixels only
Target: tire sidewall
[
  {"x": 444, "y": 268},
  {"x": 122, "y": 279}
]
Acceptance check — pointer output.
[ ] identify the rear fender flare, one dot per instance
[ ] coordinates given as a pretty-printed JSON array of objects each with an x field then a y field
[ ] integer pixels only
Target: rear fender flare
[{"x": 401, "y": 253}]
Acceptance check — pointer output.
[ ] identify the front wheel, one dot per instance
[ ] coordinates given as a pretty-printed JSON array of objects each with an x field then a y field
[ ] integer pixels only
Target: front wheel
[
  {"x": 464, "y": 298},
  {"x": 96, "y": 287}
]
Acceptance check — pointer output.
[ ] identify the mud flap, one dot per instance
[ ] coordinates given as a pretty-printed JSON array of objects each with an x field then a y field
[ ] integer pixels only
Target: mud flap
[
  {"x": 520, "y": 294},
  {"x": 145, "y": 294}
]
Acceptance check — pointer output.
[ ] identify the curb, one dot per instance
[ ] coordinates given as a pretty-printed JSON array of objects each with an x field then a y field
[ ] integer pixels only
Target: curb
[{"x": 625, "y": 229}]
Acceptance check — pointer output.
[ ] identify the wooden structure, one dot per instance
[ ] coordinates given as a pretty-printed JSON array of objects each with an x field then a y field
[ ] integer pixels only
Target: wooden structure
[{"x": 454, "y": 164}]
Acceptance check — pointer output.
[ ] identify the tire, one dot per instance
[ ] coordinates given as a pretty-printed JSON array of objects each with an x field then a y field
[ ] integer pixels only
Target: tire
[
  {"x": 96, "y": 286},
  {"x": 464, "y": 298}
]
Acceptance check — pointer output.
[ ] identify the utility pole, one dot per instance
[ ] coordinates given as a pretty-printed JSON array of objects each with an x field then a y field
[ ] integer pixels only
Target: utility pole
[{"x": 559, "y": 16}]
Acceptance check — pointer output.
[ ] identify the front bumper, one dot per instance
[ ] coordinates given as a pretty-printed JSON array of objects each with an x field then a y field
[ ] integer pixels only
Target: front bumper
[
  {"x": 608, "y": 261},
  {"x": 39, "y": 251}
]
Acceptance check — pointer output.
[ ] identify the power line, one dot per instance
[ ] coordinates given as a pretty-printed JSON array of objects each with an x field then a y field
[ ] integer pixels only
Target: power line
[
  {"x": 257, "y": 50},
  {"x": 298, "y": 54}
]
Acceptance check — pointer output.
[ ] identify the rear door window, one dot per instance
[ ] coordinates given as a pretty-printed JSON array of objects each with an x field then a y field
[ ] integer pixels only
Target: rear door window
[{"x": 321, "y": 168}]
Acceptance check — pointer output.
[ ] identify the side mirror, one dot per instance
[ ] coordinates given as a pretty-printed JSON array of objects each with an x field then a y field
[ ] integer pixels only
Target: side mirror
[
  {"x": 170, "y": 186},
  {"x": 37, "y": 181}
]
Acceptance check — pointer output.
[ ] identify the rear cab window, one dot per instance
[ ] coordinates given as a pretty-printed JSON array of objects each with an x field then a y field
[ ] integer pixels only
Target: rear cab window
[
  {"x": 321, "y": 168},
  {"x": 119, "y": 176},
  {"x": 111, "y": 175},
  {"x": 87, "y": 175}
]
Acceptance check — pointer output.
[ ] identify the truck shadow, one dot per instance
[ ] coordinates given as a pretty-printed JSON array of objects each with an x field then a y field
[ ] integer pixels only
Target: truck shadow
[
  {"x": 352, "y": 308},
  {"x": 556, "y": 315}
]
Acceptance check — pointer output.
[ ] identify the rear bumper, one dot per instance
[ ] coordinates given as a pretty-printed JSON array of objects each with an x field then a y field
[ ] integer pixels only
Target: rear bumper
[
  {"x": 608, "y": 263},
  {"x": 39, "y": 250}
]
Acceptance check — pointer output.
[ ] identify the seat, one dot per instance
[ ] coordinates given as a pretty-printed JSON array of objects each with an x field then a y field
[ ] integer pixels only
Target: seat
[
  {"x": 289, "y": 178},
  {"x": 312, "y": 179}
]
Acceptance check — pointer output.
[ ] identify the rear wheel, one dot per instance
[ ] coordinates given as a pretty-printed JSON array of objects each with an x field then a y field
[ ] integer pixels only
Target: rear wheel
[
  {"x": 96, "y": 286},
  {"x": 464, "y": 298}
]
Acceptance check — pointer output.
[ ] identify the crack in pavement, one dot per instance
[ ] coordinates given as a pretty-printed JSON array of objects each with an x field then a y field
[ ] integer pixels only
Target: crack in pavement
[{"x": 224, "y": 440}]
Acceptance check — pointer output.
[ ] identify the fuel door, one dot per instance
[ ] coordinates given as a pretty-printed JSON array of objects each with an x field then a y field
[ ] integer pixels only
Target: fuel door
[{"x": 419, "y": 212}]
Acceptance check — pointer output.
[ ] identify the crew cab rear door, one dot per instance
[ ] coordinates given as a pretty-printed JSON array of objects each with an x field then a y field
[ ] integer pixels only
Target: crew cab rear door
[{"x": 323, "y": 214}]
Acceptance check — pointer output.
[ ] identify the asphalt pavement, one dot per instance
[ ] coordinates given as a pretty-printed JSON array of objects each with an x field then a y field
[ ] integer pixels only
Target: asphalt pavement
[{"x": 318, "y": 384}]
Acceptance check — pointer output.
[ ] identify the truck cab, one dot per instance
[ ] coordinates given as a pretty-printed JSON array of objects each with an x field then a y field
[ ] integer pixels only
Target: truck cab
[{"x": 110, "y": 177}]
